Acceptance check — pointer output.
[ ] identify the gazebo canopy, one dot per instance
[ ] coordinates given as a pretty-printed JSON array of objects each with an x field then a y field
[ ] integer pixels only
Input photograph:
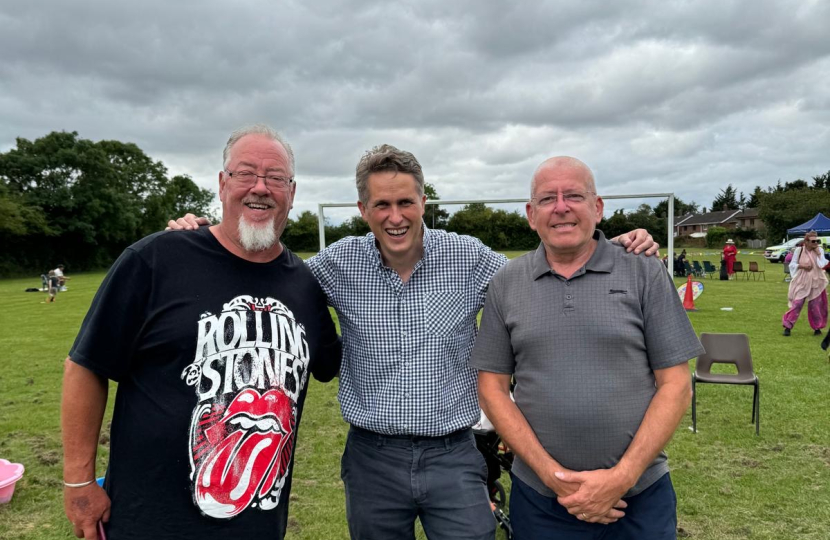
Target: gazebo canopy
[{"x": 820, "y": 224}]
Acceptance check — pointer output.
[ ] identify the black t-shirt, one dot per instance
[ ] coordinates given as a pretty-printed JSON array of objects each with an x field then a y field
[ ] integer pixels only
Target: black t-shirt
[{"x": 211, "y": 354}]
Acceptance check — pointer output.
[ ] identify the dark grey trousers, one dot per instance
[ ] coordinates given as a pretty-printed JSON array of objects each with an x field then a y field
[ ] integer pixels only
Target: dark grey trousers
[{"x": 391, "y": 480}]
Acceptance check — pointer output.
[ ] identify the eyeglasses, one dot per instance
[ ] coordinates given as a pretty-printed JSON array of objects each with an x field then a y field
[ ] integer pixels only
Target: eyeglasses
[
  {"x": 815, "y": 241},
  {"x": 571, "y": 198},
  {"x": 273, "y": 182}
]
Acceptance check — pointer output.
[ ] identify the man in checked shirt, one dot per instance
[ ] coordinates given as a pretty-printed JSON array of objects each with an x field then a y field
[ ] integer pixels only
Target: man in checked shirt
[{"x": 407, "y": 298}]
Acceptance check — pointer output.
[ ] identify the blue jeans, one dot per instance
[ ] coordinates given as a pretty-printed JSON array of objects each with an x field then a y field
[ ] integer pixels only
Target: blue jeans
[
  {"x": 650, "y": 515},
  {"x": 392, "y": 480}
]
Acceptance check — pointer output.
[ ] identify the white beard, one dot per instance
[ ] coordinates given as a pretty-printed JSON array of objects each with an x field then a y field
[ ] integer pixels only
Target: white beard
[{"x": 257, "y": 238}]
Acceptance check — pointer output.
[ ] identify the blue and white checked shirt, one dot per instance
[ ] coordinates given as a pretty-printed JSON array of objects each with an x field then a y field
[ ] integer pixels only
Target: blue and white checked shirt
[{"x": 406, "y": 346}]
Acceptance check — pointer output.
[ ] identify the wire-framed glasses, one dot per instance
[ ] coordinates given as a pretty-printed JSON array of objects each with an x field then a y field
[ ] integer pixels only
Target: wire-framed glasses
[
  {"x": 570, "y": 198},
  {"x": 273, "y": 182}
]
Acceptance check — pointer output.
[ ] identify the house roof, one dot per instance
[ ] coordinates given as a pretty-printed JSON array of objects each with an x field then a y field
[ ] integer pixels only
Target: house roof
[
  {"x": 748, "y": 213},
  {"x": 711, "y": 218}
]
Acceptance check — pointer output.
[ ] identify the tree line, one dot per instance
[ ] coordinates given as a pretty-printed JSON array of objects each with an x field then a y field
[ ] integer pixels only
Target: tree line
[{"x": 70, "y": 200}]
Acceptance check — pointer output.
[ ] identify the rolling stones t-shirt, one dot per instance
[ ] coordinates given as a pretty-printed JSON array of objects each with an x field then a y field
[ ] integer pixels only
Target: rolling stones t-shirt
[{"x": 212, "y": 356}]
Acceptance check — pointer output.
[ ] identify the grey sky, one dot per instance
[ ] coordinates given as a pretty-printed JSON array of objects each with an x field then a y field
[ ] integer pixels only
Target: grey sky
[{"x": 654, "y": 95}]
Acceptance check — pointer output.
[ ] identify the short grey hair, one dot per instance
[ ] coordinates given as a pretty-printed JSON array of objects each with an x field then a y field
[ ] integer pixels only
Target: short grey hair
[
  {"x": 564, "y": 161},
  {"x": 386, "y": 158},
  {"x": 256, "y": 129}
]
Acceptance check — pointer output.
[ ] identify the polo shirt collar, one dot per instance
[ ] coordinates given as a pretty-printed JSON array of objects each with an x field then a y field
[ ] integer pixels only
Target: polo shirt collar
[{"x": 602, "y": 260}]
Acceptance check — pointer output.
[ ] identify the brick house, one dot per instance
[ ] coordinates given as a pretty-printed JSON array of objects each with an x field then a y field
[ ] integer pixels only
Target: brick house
[{"x": 728, "y": 219}]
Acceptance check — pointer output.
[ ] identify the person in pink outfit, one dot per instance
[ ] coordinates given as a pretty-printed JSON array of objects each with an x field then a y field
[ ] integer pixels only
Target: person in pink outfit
[{"x": 808, "y": 284}]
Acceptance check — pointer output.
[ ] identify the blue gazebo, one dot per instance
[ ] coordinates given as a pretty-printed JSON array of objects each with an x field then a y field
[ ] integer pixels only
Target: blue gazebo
[{"x": 820, "y": 224}]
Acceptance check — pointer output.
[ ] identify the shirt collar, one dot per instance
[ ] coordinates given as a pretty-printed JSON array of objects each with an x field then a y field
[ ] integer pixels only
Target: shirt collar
[{"x": 602, "y": 260}]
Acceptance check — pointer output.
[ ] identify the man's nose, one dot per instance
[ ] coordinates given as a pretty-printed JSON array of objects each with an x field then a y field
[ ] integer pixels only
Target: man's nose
[
  {"x": 395, "y": 214},
  {"x": 260, "y": 186},
  {"x": 560, "y": 206}
]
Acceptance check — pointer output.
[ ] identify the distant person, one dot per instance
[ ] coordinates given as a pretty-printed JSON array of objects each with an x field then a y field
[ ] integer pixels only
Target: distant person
[
  {"x": 597, "y": 343},
  {"x": 211, "y": 337},
  {"x": 61, "y": 277},
  {"x": 808, "y": 283},
  {"x": 730, "y": 253},
  {"x": 787, "y": 260},
  {"x": 679, "y": 267},
  {"x": 53, "y": 285}
]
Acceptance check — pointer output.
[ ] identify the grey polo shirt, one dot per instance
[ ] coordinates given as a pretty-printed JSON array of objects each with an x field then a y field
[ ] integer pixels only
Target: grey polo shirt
[{"x": 583, "y": 352}]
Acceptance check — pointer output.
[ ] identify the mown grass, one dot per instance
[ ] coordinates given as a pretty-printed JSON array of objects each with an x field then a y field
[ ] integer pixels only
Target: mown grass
[{"x": 730, "y": 483}]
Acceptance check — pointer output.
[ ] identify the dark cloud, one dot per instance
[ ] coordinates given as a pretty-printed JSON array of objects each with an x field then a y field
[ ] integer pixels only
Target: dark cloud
[{"x": 654, "y": 95}]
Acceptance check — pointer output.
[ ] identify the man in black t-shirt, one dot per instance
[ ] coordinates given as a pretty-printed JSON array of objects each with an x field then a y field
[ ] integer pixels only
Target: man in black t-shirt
[{"x": 211, "y": 337}]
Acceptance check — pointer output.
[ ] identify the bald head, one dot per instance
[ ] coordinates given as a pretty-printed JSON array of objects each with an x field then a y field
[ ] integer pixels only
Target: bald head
[{"x": 560, "y": 165}]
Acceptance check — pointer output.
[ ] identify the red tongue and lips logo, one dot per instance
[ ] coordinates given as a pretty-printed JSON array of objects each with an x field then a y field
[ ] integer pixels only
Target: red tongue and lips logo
[{"x": 250, "y": 449}]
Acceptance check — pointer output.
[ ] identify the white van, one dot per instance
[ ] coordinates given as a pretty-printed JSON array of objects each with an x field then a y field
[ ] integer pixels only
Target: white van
[{"x": 777, "y": 253}]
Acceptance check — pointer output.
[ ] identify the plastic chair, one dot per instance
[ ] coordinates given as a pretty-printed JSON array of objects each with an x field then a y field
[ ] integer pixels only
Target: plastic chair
[
  {"x": 738, "y": 268},
  {"x": 709, "y": 268},
  {"x": 753, "y": 269},
  {"x": 698, "y": 268},
  {"x": 689, "y": 270},
  {"x": 726, "y": 349}
]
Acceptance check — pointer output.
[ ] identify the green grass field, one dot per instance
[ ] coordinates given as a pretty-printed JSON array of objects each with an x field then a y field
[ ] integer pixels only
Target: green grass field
[{"x": 730, "y": 483}]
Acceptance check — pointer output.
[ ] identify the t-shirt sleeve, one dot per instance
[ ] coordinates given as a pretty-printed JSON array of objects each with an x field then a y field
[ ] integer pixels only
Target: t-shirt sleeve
[
  {"x": 327, "y": 365},
  {"x": 493, "y": 350},
  {"x": 111, "y": 329},
  {"x": 669, "y": 336}
]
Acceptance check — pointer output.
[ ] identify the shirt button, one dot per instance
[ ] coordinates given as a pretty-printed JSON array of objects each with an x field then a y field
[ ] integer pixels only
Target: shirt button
[{"x": 569, "y": 297}]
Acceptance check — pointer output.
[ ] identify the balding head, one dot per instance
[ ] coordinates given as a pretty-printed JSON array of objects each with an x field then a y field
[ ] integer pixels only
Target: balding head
[{"x": 561, "y": 164}]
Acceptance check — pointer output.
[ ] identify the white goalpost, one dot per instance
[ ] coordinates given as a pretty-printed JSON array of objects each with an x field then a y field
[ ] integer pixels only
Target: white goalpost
[{"x": 321, "y": 218}]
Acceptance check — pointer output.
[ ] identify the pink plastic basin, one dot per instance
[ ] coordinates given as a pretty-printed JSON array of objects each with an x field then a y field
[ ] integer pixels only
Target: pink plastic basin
[{"x": 10, "y": 473}]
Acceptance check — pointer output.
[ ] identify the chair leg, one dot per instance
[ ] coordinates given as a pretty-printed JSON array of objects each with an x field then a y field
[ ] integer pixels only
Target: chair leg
[
  {"x": 694, "y": 406},
  {"x": 757, "y": 407}
]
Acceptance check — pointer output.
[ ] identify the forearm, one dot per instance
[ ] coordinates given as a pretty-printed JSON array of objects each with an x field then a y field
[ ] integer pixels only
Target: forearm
[
  {"x": 82, "y": 411},
  {"x": 662, "y": 417}
]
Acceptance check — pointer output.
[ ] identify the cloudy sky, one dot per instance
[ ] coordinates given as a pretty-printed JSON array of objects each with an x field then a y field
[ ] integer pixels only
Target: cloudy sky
[{"x": 656, "y": 96}]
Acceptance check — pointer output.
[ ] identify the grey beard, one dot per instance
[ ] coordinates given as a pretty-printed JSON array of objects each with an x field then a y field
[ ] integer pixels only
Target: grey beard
[{"x": 257, "y": 238}]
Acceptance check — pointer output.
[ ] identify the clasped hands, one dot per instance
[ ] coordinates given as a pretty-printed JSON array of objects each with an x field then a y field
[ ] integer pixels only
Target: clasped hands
[{"x": 592, "y": 496}]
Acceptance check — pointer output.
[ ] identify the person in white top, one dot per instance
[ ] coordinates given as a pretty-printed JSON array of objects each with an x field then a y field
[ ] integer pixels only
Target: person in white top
[
  {"x": 58, "y": 273},
  {"x": 808, "y": 284}
]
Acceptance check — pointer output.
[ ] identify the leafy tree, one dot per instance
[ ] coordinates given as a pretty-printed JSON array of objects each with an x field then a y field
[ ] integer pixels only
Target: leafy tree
[
  {"x": 796, "y": 185},
  {"x": 83, "y": 202},
  {"x": 781, "y": 210},
  {"x": 754, "y": 199},
  {"x": 726, "y": 200},
  {"x": 434, "y": 216},
  {"x": 303, "y": 233},
  {"x": 681, "y": 208},
  {"x": 822, "y": 181}
]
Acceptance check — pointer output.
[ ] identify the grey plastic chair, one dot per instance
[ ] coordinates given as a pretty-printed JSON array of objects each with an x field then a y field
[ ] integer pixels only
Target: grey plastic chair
[{"x": 726, "y": 349}]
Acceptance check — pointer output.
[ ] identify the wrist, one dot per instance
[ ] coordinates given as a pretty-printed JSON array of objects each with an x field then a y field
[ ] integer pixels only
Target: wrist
[
  {"x": 78, "y": 484},
  {"x": 625, "y": 475}
]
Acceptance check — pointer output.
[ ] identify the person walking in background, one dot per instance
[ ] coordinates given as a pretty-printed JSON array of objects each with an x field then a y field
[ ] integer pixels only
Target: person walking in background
[
  {"x": 787, "y": 260},
  {"x": 730, "y": 252},
  {"x": 52, "y": 285},
  {"x": 808, "y": 284}
]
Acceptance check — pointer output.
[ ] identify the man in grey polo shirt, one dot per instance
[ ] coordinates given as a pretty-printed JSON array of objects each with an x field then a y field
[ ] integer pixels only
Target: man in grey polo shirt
[{"x": 598, "y": 344}]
